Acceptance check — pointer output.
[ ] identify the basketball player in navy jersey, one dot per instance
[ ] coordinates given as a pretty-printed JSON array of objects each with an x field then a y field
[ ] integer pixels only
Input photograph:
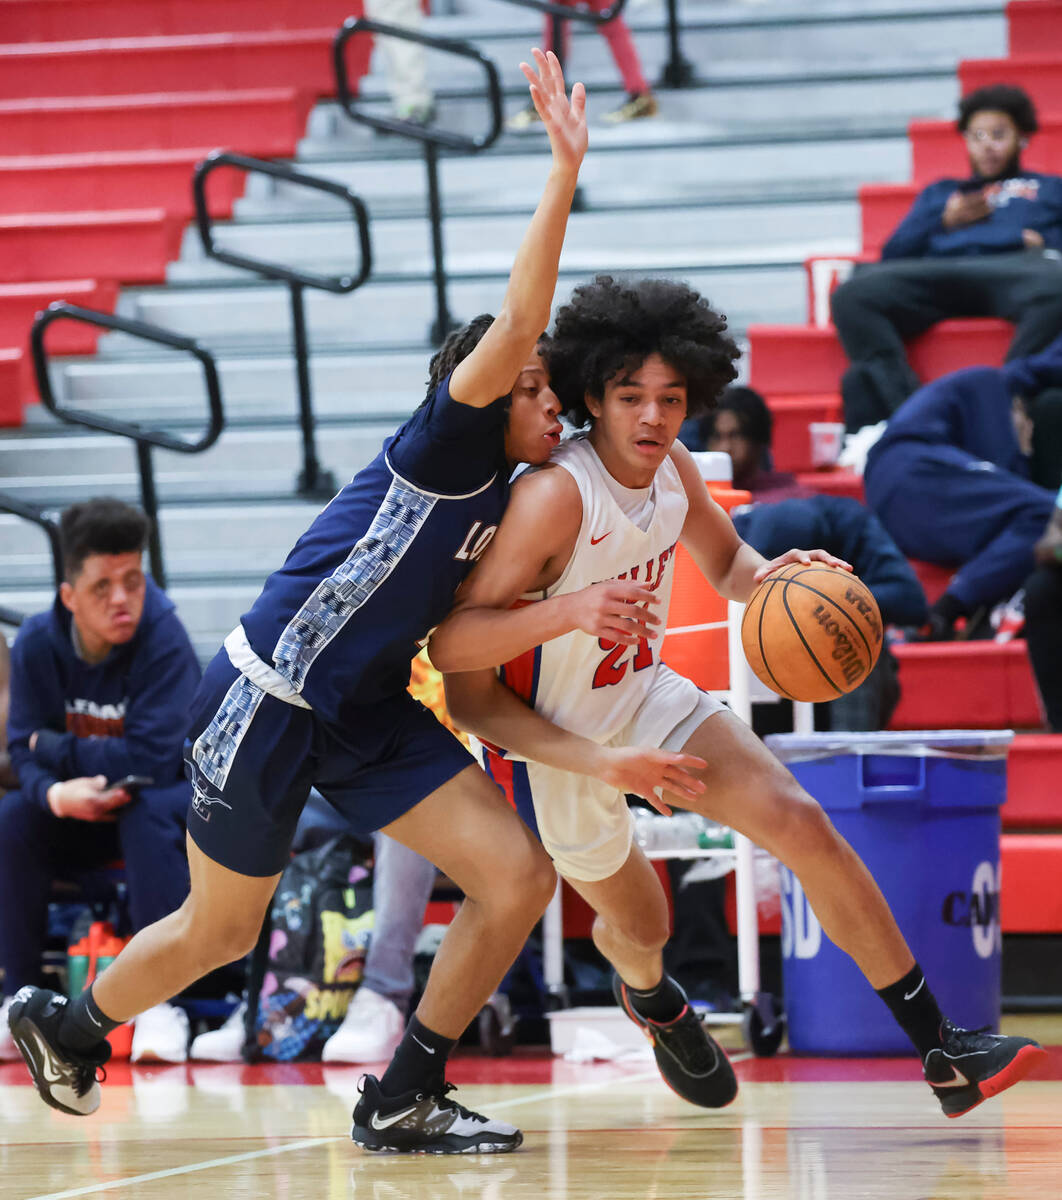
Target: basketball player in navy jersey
[
  {"x": 633, "y": 361},
  {"x": 310, "y": 689}
]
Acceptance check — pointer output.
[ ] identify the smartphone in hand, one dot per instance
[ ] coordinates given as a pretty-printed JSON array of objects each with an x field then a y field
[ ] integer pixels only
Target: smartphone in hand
[{"x": 131, "y": 783}]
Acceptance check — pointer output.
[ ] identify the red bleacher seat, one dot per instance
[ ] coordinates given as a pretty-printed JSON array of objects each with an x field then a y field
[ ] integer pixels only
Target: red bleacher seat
[
  {"x": 933, "y": 578},
  {"x": 791, "y": 444},
  {"x": 966, "y": 685},
  {"x": 300, "y": 58},
  {"x": 132, "y": 246},
  {"x": 835, "y": 482},
  {"x": 262, "y": 121},
  {"x": 1039, "y": 74},
  {"x": 20, "y": 301},
  {"x": 937, "y": 151},
  {"x": 13, "y": 385},
  {"x": 804, "y": 360},
  {"x": 1034, "y": 769},
  {"x": 1034, "y": 25},
  {"x": 64, "y": 20},
  {"x": 101, "y": 182},
  {"x": 1031, "y": 900}
]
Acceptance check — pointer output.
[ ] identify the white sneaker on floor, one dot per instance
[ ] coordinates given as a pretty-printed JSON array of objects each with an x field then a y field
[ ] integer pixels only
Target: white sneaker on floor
[
  {"x": 161, "y": 1035},
  {"x": 370, "y": 1032},
  {"x": 224, "y": 1044},
  {"x": 9, "y": 1052}
]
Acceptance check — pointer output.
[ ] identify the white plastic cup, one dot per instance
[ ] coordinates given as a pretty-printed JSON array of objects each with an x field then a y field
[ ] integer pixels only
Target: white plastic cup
[{"x": 827, "y": 439}]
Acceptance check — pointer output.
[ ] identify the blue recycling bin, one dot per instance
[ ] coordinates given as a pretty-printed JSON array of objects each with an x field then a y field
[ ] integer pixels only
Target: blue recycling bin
[{"x": 922, "y": 811}]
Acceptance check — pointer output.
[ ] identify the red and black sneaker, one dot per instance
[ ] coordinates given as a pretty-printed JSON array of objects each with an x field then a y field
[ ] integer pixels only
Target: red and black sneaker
[
  {"x": 692, "y": 1063},
  {"x": 971, "y": 1066}
]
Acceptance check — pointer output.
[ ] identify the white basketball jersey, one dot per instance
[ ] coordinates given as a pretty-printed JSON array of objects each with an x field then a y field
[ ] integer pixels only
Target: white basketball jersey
[{"x": 589, "y": 686}]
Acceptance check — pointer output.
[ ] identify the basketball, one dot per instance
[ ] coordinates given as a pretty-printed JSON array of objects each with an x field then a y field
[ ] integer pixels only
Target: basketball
[{"x": 812, "y": 632}]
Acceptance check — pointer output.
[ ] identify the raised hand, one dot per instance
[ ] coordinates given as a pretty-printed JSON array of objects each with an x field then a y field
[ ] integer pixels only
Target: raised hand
[
  {"x": 617, "y": 610},
  {"x": 644, "y": 772},
  {"x": 564, "y": 119},
  {"x": 807, "y": 557}
]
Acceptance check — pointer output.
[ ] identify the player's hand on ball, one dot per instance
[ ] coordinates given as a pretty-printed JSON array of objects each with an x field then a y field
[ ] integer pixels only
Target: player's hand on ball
[
  {"x": 643, "y": 772},
  {"x": 799, "y": 556},
  {"x": 616, "y": 611}
]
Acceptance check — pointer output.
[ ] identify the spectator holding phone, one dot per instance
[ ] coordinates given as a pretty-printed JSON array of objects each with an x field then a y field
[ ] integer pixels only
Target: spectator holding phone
[
  {"x": 985, "y": 246},
  {"x": 100, "y": 689}
]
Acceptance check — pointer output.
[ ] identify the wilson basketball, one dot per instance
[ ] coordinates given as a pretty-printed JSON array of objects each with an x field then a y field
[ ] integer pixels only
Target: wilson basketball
[{"x": 812, "y": 632}]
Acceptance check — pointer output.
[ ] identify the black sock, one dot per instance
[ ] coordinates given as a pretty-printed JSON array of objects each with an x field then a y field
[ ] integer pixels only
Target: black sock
[
  {"x": 419, "y": 1061},
  {"x": 915, "y": 1008},
  {"x": 84, "y": 1026},
  {"x": 661, "y": 1004}
]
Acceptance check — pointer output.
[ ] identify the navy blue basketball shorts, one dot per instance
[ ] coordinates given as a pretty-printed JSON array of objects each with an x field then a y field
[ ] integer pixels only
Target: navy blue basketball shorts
[{"x": 252, "y": 760}]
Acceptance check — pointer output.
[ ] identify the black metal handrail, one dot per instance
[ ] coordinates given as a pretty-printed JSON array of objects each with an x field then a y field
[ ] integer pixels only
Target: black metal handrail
[
  {"x": 432, "y": 139},
  {"x": 144, "y": 438},
  {"x": 313, "y": 480},
  {"x": 678, "y": 71},
  {"x": 8, "y": 504}
]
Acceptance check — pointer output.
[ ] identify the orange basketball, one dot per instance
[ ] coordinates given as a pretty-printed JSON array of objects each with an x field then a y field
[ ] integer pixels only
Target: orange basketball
[{"x": 812, "y": 632}]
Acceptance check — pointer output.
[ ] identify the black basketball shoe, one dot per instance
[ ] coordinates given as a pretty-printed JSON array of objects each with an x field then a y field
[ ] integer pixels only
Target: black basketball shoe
[
  {"x": 425, "y": 1122},
  {"x": 972, "y": 1066},
  {"x": 691, "y": 1061},
  {"x": 65, "y": 1080}
]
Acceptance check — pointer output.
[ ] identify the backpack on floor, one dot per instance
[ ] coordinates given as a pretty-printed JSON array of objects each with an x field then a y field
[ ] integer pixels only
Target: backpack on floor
[{"x": 320, "y": 922}]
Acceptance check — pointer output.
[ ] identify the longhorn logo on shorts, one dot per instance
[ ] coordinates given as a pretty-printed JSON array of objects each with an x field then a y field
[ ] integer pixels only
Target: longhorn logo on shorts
[{"x": 202, "y": 803}]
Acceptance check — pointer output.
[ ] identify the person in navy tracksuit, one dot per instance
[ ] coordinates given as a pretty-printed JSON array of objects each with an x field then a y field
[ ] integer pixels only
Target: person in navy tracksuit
[
  {"x": 949, "y": 479},
  {"x": 985, "y": 246},
  {"x": 101, "y": 684}
]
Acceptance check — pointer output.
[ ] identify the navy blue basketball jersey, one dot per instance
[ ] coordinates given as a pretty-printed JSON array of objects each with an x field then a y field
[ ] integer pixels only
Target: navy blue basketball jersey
[{"x": 378, "y": 568}]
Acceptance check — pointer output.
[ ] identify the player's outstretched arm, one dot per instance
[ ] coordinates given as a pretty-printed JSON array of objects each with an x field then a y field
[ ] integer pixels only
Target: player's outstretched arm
[
  {"x": 491, "y": 369},
  {"x": 530, "y": 551},
  {"x": 731, "y": 566},
  {"x": 481, "y": 704}
]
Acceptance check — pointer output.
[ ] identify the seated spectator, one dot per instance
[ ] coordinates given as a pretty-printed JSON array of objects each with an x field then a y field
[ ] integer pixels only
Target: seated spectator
[
  {"x": 100, "y": 689},
  {"x": 783, "y": 510},
  {"x": 1043, "y": 618},
  {"x": 949, "y": 479},
  {"x": 640, "y": 100},
  {"x": 405, "y": 61},
  {"x": 985, "y": 246}
]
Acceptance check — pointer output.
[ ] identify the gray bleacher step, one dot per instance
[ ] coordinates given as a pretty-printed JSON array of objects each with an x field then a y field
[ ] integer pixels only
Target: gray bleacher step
[
  {"x": 764, "y": 287},
  {"x": 375, "y": 386},
  {"x": 859, "y": 29},
  {"x": 244, "y": 462},
  {"x": 202, "y": 544},
  {"x": 403, "y": 245},
  {"x": 207, "y": 612},
  {"x": 658, "y": 164}
]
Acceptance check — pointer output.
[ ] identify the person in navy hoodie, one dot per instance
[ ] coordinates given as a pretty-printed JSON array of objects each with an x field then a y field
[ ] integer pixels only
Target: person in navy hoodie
[
  {"x": 101, "y": 686},
  {"x": 949, "y": 479},
  {"x": 985, "y": 246}
]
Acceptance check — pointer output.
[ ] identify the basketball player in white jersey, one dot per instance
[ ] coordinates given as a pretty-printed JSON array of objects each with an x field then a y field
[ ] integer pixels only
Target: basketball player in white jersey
[{"x": 633, "y": 361}]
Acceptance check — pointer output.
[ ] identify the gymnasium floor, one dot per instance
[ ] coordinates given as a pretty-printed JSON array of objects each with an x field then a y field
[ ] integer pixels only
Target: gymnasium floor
[{"x": 801, "y": 1129}]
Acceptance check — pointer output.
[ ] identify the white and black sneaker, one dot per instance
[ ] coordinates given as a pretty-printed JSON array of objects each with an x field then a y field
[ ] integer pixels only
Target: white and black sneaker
[
  {"x": 65, "y": 1080},
  {"x": 425, "y": 1122}
]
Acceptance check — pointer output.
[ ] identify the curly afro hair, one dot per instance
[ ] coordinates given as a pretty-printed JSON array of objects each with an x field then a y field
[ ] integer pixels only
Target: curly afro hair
[
  {"x": 999, "y": 97},
  {"x": 610, "y": 326}
]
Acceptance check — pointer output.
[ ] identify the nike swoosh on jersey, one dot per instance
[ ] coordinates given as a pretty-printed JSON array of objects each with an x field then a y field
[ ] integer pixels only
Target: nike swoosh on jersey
[
  {"x": 386, "y": 1122},
  {"x": 595, "y": 540}
]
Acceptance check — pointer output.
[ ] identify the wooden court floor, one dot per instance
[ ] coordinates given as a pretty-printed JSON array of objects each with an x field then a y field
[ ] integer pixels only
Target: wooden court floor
[{"x": 801, "y": 1129}]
